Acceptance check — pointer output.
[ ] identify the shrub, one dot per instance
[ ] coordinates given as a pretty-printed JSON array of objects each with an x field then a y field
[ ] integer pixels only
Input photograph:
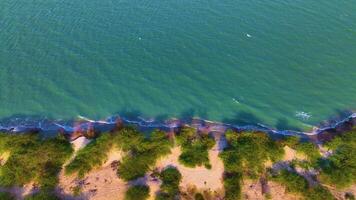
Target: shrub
[
  {"x": 198, "y": 196},
  {"x": 349, "y": 196},
  {"x": 6, "y": 195},
  {"x": 142, "y": 153},
  {"x": 138, "y": 192},
  {"x": 296, "y": 183},
  {"x": 293, "y": 182},
  {"x": 171, "y": 179},
  {"x": 339, "y": 169},
  {"x": 91, "y": 156},
  {"x": 290, "y": 141},
  {"x": 43, "y": 195},
  {"x": 195, "y": 147},
  {"x": 319, "y": 193},
  {"x": 34, "y": 159},
  {"x": 310, "y": 151},
  {"x": 247, "y": 153},
  {"x": 232, "y": 185}
]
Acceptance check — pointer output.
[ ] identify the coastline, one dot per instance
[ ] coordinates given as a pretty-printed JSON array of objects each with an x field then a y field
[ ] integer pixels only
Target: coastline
[{"x": 83, "y": 124}]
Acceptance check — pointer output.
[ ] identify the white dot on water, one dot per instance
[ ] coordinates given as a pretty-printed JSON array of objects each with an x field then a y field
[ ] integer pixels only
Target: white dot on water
[{"x": 139, "y": 38}]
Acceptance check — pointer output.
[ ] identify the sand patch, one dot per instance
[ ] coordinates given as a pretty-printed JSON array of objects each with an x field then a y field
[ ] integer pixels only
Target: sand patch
[
  {"x": 79, "y": 143},
  {"x": 4, "y": 157},
  {"x": 291, "y": 154},
  {"x": 278, "y": 192},
  {"x": 100, "y": 184},
  {"x": 339, "y": 194},
  {"x": 252, "y": 190},
  {"x": 199, "y": 177}
]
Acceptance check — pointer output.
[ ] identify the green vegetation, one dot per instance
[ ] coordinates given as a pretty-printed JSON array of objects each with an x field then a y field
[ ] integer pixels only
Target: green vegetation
[
  {"x": 77, "y": 191},
  {"x": 293, "y": 182},
  {"x": 142, "y": 153},
  {"x": 137, "y": 192},
  {"x": 171, "y": 178},
  {"x": 308, "y": 149},
  {"x": 195, "y": 147},
  {"x": 33, "y": 159},
  {"x": 297, "y": 184},
  {"x": 91, "y": 156},
  {"x": 6, "y": 196},
  {"x": 349, "y": 196},
  {"x": 198, "y": 196},
  {"x": 43, "y": 195},
  {"x": 246, "y": 155},
  {"x": 340, "y": 168},
  {"x": 232, "y": 185}
]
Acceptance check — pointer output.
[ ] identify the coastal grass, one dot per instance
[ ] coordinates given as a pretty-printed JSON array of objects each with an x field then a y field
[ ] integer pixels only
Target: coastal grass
[
  {"x": 305, "y": 148},
  {"x": 232, "y": 185},
  {"x": 43, "y": 195},
  {"x": 137, "y": 192},
  {"x": 246, "y": 155},
  {"x": 91, "y": 156},
  {"x": 297, "y": 184},
  {"x": 141, "y": 153},
  {"x": 195, "y": 147},
  {"x": 339, "y": 169},
  {"x": 32, "y": 158},
  {"x": 171, "y": 179},
  {"x": 6, "y": 196}
]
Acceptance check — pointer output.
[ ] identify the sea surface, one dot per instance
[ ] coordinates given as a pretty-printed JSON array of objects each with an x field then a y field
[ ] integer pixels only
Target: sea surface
[{"x": 287, "y": 64}]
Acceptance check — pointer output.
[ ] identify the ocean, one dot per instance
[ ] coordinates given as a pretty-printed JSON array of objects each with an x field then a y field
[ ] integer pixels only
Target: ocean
[{"x": 290, "y": 65}]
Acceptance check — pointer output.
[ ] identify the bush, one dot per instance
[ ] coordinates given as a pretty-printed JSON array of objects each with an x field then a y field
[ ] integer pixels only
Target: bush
[
  {"x": 349, "y": 196},
  {"x": 319, "y": 193},
  {"x": 33, "y": 159},
  {"x": 293, "y": 182},
  {"x": 195, "y": 147},
  {"x": 340, "y": 168},
  {"x": 198, "y": 196},
  {"x": 310, "y": 151},
  {"x": 43, "y": 195},
  {"x": 171, "y": 179},
  {"x": 142, "y": 153},
  {"x": 6, "y": 195},
  {"x": 138, "y": 192},
  {"x": 290, "y": 141},
  {"x": 247, "y": 153},
  {"x": 232, "y": 185},
  {"x": 297, "y": 184},
  {"x": 91, "y": 156}
]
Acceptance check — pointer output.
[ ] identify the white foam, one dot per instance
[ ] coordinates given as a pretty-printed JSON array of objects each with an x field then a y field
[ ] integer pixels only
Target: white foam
[
  {"x": 303, "y": 115},
  {"x": 236, "y": 101}
]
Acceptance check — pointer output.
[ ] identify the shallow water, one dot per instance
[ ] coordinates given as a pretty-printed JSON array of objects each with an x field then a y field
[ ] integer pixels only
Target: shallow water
[{"x": 287, "y": 64}]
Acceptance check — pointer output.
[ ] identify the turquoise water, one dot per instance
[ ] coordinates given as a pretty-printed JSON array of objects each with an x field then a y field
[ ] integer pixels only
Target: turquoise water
[{"x": 287, "y": 64}]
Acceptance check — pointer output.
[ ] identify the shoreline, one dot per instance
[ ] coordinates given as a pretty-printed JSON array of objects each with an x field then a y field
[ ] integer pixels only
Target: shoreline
[{"x": 50, "y": 127}]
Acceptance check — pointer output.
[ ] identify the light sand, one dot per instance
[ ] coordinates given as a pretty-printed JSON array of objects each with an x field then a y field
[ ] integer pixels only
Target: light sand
[
  {"x": 4, "y": 157},
  {"x": 100, "y": 184},
  {"x": 79, "y": 143},
  {"x": 252, "y": 190},
  {"x": 291, "y": 154},
  {"x": 199, "y": 177}
]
